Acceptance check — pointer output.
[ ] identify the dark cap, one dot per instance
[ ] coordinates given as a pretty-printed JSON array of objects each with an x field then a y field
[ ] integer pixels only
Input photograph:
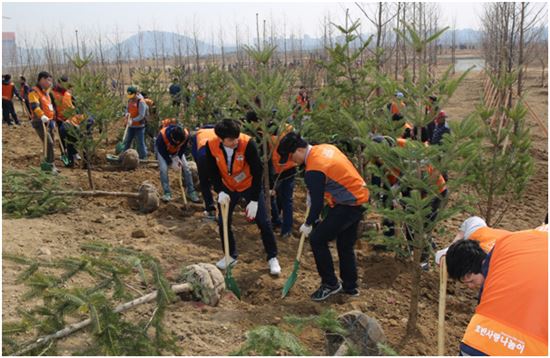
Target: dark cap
[
  {"x": 132, "y": 89},
  {"x": 288, "y": 145},
  {"x": 64, "y": 78}
]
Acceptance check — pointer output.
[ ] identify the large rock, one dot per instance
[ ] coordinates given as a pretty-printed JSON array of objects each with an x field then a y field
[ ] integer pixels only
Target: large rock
[
  {"x": 129, "y": 160},
  {"x": 364, "y": 335}
]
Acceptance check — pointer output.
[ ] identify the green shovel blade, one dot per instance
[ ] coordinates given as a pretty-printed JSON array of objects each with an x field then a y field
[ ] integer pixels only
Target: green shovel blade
[
  {"x": 119, "y": 147},
  {"x": 65, "y": 159},
  {"x": 292, "y": 279},
  {"x": 230, "y": 282}
]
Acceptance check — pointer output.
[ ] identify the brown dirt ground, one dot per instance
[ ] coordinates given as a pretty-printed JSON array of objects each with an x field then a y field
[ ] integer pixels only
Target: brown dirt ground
[{"x": 179, "y": 239}]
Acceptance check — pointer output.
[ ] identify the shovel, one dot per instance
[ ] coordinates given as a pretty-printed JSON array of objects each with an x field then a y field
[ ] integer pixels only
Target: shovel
[
  {"x": 45, "y": 166},
  {"x": 230, "y": 282},
  {"x": 119, "y": 148},
  {"x": 442, "y": 301},
  {"x": 294, "y": 275},
  {"x": 182, "y": 189},
  {"x": 64, "y": 158}
]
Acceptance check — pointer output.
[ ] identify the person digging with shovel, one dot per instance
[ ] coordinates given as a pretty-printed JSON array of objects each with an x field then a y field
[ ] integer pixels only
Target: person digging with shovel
[
  {"x": 170, "y": 151},
  {"x": 329, "y": 173},
  {"x": 43, "y": 115},
  {"x": 235, "y": 169}
]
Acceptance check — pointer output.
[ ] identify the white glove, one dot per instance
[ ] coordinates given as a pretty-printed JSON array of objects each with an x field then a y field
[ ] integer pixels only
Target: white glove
[
  {"x": 440, "y": 254},
  {"x": 223, "y": 198},
  {"x": 129, "y": 121},
  {"x": 306, "y": 229},
  {"x": 44, "y": 119},
  {"x": 251, "y": 210},
  {"x": 176, "y": 163}
]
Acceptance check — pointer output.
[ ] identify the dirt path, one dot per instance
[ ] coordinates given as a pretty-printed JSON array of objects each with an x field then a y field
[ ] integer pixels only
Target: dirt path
[{"x": 179, "y": 240}]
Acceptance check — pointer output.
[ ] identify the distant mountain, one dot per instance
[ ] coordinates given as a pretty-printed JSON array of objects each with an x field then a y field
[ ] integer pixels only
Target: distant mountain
[
  {"x": 159, "y": 43},
  {"x": 463, "y": 36}
]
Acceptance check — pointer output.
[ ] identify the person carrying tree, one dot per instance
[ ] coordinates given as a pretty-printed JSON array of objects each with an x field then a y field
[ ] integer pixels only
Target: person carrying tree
[
  {"x": 329, "y": 173},
  {"x": 235, "y": 168},
  {"x": 511, "y": 317},
  {"x": 135, "y": 116},
  {"x": 43, "y": 114},
  {"x": 8, "y": 110},
  {"x": 170, "y": 146}
]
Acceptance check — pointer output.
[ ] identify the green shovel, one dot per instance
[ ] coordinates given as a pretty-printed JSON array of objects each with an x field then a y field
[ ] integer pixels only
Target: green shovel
[
  {"x": 294, "y": 275},
  {"x": 230, "y": 282},
  {"x": 119, "y": 148},
  {"x": 64, "y": 158},
  {"x": 45, "y": 166}
]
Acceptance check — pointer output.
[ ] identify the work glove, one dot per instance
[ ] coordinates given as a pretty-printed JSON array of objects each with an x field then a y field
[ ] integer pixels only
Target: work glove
[
  {"x": 440, "y": 254},
  {"x": 251, "y": 210},
  {"x": 223, "y": 198},
  {"x": 129, "y": 121},
  {"x": 44, "y": 119},
  {"x": 306, "y": 229},
  {"x": 176, "y": 163}
]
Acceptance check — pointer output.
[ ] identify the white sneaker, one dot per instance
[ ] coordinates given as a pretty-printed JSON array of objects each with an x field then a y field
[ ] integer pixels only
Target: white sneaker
[
  {"x": 221, "y": 264},
  {"x": 274, "y": 267}
]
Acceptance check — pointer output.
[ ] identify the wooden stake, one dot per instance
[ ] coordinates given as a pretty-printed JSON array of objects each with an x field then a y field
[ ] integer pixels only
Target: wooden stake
[{"x": 442, "y": 302}]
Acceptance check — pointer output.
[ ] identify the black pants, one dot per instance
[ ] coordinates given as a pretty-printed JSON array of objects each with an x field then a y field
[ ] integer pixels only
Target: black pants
[
  {"x": 264, "y": 224},
  {"x": 341, "y": 223},
  {"x": 8, "y": 112}
]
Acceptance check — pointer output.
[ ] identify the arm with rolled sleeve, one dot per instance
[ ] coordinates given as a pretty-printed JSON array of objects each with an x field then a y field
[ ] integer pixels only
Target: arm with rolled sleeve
[{"x": 315, "y": 182}]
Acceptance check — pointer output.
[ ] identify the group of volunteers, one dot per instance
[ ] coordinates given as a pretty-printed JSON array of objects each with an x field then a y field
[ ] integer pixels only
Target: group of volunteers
[{"x": 509, "y": 268}]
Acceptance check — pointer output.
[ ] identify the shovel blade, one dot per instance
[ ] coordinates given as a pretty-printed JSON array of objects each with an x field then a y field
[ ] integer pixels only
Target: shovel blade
[
  {"x": 231, "y": 284},
  {"x": 292, "y": 279},
  {"x": 119, "y": 148},
  {"x": 65, "y": 160}
]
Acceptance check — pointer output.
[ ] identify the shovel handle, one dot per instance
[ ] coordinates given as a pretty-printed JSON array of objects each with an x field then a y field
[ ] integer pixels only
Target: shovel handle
[
  {"x": 181, "y": 188},
  {"x": 302, "y": 239},
  {"x": 59, "y": 139},
  {"x": 45, "y": 131},
  {"x": 225, "y": 214},
  {"x": 442, "y": 301}
]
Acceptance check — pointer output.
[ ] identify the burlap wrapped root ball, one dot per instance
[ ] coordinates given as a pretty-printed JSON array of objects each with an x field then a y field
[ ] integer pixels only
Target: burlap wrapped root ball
[
  {"x": 129, "y": 160},
  {"x": 208, "y": 282},
  {"x": 148, "y": 199},
  {"x": 194, "y": 172}
]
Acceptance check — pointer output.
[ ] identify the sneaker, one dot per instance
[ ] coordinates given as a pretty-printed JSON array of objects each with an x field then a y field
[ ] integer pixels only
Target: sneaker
[
  {"x": 274, "y": 267},
  {"x": 210, "y": 214},
  {"x": 325, "y": 291},
  {"x": 425, "y": 266},
  {"x": 194, "y": 197},
  {"x": 353, "y": 292},
  {"x": 221, "y": 264},
  {"x": 167, "y": 197},
  {"x": 286, "y": 235},
  {"x": 77, "y": 157}
]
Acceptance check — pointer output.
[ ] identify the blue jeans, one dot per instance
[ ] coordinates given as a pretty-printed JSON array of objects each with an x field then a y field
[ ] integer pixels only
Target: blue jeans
[
  {"x": 164, "y": 181},
  {"x": 268, "y": 239},
  {"x": 283, "y": 202},
  {"x": 341, "y": 223},
  {"x": 139, "y": 134},
  {"x": 204, "y": 179}
]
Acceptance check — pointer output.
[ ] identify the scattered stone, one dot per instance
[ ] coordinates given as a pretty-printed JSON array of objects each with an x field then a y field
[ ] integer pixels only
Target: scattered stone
[
  {"x": 138, "y": 234},
  {"x": 44, "y": 251}
]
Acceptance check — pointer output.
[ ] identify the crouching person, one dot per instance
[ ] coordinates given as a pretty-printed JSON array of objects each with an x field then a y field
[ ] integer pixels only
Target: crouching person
[{"x": 170, "y": 150}]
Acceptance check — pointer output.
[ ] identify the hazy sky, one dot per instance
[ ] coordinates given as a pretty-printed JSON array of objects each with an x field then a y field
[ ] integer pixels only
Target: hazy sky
[{"x": 29, "y": 19}]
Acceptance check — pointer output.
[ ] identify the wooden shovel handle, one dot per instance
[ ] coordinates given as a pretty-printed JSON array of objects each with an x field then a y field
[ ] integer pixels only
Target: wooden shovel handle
[
  {"x": 302, "y": 239},
  {"x": 181, "y": 187},
  {"x": 225, "y": 213},
  {"x": 45, "y": 131},
  {"x": 442, "y": 301}
]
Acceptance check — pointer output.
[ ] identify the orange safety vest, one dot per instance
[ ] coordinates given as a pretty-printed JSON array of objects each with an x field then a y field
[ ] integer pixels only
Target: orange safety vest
[
  {"x": 396, "y": 108},
  {"x": 133, "y": 109},
  {"x": 303, "y": 103},
  {"x": 7, "y": 91},
  {"x": 344, "y": 185},
  {"x": 168, "y": 121},
  {"x": 45, "y": 102},
  {"x": 512, "y": 316},
  {"x": 275, "y": 157},
  {"x": 240, "y": 178},
  {"x": 488, "y": 236},
  {"x": 63, "y": 101},
  {"x": 170, "y": 148},
  {"x": 204, "y": 135}
]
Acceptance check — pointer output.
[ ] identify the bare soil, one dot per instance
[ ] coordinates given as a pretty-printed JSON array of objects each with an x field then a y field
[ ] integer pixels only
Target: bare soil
[{"x": 179, "y": 239}]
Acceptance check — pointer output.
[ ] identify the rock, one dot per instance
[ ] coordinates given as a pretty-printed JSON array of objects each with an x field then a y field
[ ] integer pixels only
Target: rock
[
  {"x": 138, "y": 234},
  {"x": 364, "y": 334},
  {"x": 129, "y": 160},
  {"x": 44, "y": 251}
]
